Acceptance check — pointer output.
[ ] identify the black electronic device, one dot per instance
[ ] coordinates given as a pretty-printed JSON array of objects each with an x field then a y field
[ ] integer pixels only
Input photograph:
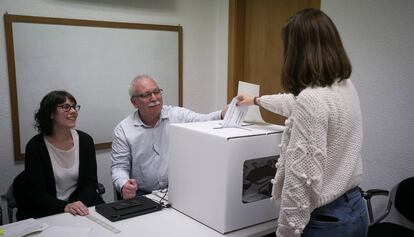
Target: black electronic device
[{"x": 124, "y": 209}]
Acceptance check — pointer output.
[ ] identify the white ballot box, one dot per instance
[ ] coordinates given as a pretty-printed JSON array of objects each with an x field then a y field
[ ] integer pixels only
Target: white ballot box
[{"x": 221, "y": 176}]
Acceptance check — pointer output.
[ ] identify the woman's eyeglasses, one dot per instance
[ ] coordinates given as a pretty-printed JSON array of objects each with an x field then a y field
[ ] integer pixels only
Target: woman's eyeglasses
[{"x": 67, "y": 107}]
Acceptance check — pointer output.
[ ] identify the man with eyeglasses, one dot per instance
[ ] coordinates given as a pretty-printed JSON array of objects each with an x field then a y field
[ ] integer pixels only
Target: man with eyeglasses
[{"x": 141, "y": 140}]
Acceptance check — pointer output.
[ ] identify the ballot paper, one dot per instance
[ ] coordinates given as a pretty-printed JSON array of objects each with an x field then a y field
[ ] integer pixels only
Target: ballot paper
[
  {"x": 235, "y": 115},
  {"x": 253, "y": 114},
  {"x": 23, "y": 228}
]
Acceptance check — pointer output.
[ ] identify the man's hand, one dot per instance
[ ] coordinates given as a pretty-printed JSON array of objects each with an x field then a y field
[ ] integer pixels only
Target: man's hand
[
  {"x": 223, "y": 112},
  {"x": 129, "y": 189}
]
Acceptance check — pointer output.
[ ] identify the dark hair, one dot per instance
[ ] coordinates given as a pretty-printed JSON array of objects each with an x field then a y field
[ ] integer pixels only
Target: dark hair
[
  {"x": 313, "y": 52},
  {"x": 43, "y": 121}
]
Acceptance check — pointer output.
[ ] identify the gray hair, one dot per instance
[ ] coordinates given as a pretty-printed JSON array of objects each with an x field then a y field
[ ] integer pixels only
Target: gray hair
[{"x": 131, "y": 89}]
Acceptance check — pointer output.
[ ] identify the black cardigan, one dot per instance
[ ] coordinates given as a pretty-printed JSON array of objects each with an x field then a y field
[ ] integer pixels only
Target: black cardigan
[{"x": 36, "y": 193}]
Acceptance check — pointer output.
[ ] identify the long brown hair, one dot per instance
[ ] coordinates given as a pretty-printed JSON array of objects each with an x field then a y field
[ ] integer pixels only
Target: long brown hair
[{"x": 313, "y": 52}]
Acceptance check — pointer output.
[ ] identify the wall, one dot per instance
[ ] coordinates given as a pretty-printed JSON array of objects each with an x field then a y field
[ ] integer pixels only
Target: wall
[
  {"x": 378, "y": 36},
  {"x": 205, "y": 56}
]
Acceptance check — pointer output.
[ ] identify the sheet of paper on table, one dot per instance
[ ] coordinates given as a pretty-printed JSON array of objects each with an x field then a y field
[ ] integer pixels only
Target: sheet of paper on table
[{"x": 23, "y": 228}]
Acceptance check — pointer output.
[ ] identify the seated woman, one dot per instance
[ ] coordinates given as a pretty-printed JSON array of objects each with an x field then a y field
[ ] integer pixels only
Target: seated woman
[{"x": 60, "y": 163}]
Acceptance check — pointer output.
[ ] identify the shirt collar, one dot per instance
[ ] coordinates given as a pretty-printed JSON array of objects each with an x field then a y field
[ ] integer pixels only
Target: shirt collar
[{"x": 138, "y": 122}]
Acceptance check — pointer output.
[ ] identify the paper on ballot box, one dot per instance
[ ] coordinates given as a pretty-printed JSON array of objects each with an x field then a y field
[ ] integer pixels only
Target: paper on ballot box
[{"x": 235, "y": 115}]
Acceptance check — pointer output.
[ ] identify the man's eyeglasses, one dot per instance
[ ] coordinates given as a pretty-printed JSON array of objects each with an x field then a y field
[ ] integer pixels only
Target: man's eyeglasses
[
  {"x": 67, "y": 107},
  {"x": 147, "y": 95}
]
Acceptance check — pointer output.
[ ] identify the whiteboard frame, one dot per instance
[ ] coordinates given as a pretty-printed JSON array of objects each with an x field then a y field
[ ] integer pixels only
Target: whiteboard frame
[{"x": 9, "y": 19}]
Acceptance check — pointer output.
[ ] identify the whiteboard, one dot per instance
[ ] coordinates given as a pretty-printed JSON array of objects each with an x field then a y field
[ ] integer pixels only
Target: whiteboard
[{"x": 95, "y": 64}]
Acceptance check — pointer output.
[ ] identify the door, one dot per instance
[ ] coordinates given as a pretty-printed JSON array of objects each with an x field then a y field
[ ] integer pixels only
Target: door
[{"x": 255, "y": 46}]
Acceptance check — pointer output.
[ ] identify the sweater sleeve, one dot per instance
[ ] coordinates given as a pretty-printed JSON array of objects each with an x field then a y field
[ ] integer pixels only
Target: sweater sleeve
[
  {"x": 41, "y": 185},
  {"x": 282, "y": 104},
  {"x": 304, "y": 155}
]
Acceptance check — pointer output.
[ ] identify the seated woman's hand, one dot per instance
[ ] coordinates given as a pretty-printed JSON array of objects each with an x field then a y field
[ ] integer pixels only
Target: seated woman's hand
[{"x": 77, "y": 208}]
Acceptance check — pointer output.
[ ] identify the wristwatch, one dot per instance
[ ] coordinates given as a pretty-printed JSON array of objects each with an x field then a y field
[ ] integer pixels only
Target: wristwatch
[{"x": 255, "y": 100}]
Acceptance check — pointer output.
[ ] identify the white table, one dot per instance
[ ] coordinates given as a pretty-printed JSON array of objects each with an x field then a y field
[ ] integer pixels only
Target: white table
[{"x": 166, "y": 222}]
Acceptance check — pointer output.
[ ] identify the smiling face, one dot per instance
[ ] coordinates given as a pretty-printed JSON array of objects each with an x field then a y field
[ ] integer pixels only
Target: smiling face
[
  {"x": 64, "y": 119},
  {"x": 149, "y": 107}
]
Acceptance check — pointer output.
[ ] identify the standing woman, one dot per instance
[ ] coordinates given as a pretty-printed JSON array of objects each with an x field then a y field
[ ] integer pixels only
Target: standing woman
[
  {"x": 320, "y": 165},
  {"x": 60, "y": 163}
]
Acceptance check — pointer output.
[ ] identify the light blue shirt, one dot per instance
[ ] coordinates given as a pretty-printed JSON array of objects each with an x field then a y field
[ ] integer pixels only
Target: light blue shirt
[{"x": 141, "y": 152}]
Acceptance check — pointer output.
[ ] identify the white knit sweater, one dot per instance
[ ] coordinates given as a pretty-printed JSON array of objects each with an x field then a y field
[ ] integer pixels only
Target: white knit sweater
[{"x": 320, "y": 156}]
